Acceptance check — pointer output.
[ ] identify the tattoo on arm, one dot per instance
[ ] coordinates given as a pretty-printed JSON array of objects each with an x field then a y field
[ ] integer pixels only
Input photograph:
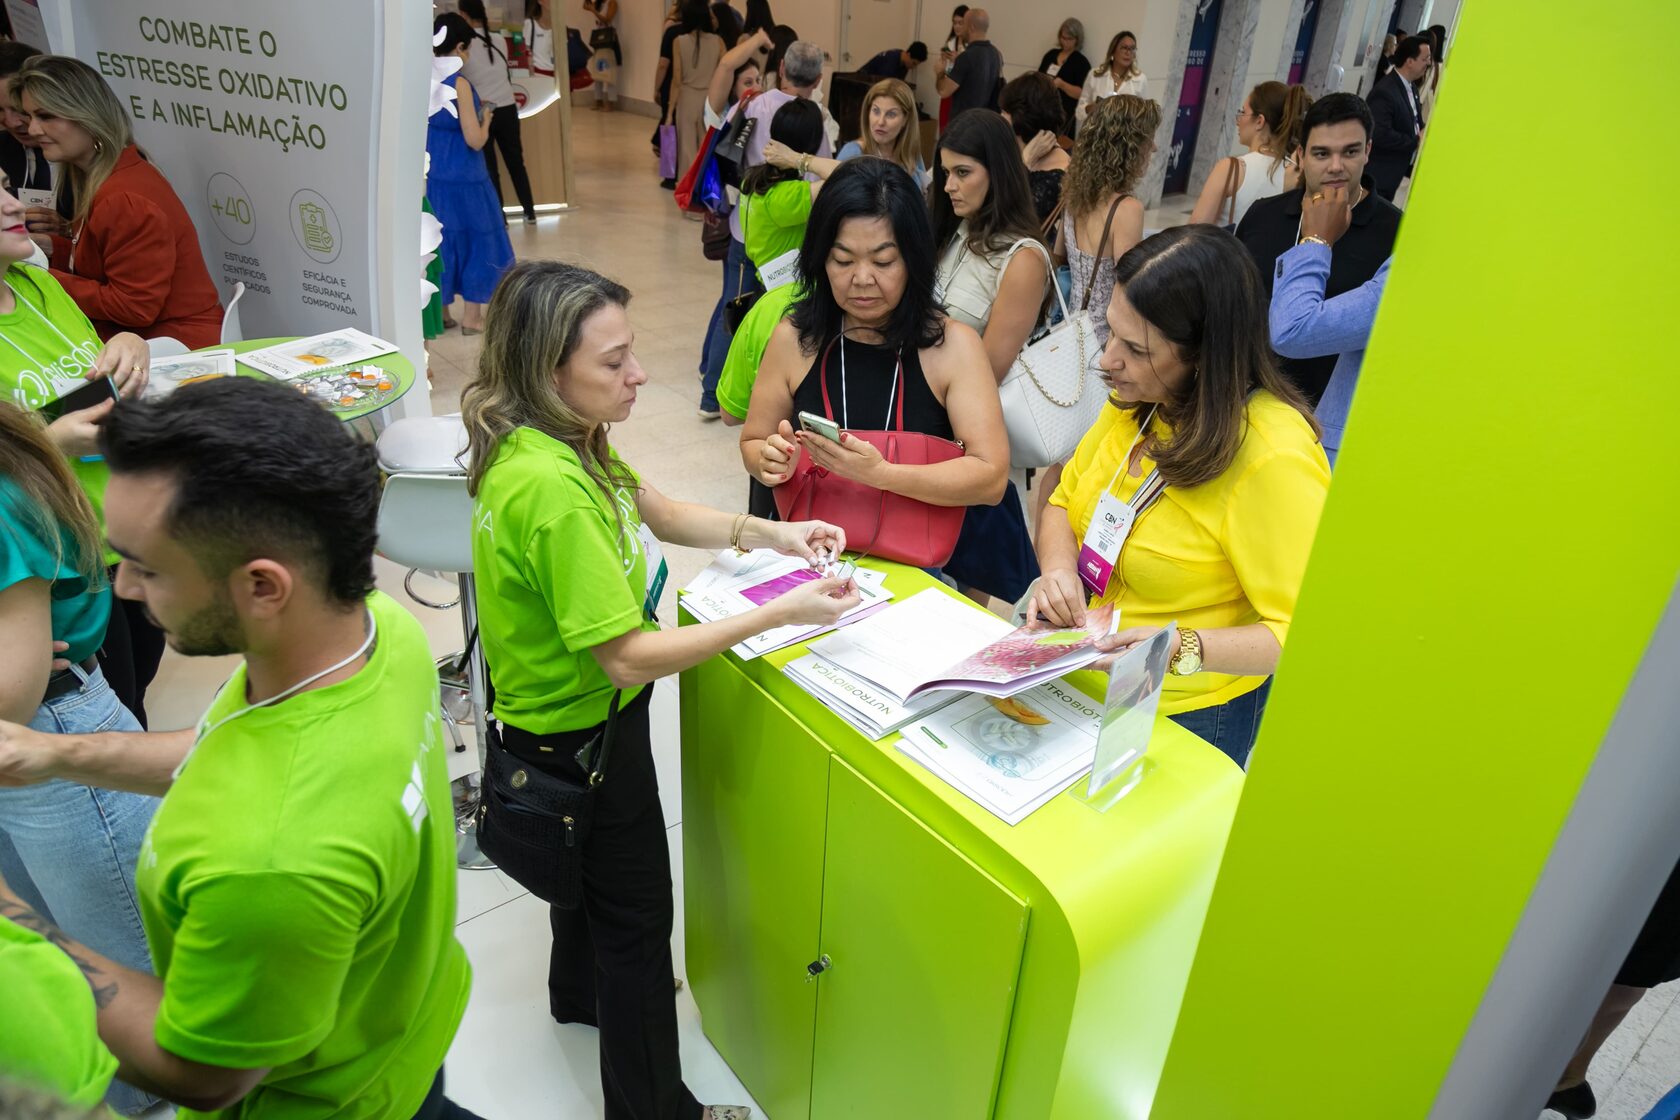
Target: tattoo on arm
[{"x": 103, "y": 984}]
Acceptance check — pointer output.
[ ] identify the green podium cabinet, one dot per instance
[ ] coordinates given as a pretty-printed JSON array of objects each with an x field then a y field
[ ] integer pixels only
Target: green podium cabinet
[{"x": 864, "y": 941}]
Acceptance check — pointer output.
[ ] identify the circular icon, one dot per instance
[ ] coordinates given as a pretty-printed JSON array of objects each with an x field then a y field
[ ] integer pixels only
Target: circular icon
[
  {"x": 230, "y": 208},
  {"x": 315, "y": 226}
]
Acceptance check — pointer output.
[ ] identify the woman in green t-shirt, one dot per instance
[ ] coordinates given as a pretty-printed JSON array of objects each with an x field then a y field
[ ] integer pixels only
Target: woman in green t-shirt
[
  {"x": 776, "y": 201},
  {"x": 69, "y": 850},
  {"x": 565, "y": 554},
  {"x": 47, "y": 346}
]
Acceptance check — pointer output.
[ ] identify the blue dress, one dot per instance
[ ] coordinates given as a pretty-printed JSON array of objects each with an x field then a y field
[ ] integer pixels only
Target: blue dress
[{"x": 475, "y": 250}]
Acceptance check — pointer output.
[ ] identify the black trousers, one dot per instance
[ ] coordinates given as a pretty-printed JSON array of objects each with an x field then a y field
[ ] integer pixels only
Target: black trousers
[
  {"x": 436, "y": 1106},
  {"x": 610, "y": 965},
  {"x": 504, "y": 134},
  {"x": 133, "y": 647}
]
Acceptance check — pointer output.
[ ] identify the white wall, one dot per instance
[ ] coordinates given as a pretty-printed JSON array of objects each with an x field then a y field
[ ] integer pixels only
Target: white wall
[
  {"x": 1023, "y": 30},
  {"x": 1274, "y": 28}
]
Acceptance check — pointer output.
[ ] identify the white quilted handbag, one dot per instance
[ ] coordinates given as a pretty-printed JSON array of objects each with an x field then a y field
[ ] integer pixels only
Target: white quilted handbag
[{"x": 1052, "y": 395}]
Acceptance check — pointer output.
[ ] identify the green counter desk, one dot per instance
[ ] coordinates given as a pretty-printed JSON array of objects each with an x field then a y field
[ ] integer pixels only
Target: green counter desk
[
  {"x": 976, "y": 970},
  {"x": 374, "y": 399}
]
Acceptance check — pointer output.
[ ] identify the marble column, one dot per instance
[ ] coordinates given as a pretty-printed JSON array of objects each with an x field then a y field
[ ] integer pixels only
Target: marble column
[
  {"x": 1232, "y": 49},
  {"x": 1298, "y": 10},
  {"x": 1149, "y": 191},
  {"x": 1335, "y": 21}
]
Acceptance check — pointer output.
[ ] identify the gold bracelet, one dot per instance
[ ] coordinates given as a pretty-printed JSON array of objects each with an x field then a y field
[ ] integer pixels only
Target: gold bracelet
[
  {"x": 1314, "y": 240},
  {"x": 735, "y": 533},
  {"x": 805, "y": 165}
]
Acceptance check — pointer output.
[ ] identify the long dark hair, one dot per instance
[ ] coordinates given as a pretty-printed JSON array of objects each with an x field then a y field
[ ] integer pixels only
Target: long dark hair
[
  {"x": 799, "y": 125},
  {"x": 456, "y": 31},
  {"x": 696, "y": 16},
  {"x": 781, "y": 38},
  {"x": 728, "y": 23},
  {"x": 1008, "y": 213},
  {"x": 758, "y": 17},
  {"x": 868, "y": 187},
  {"x": 475, "y": 13},
  {"x": 1200, "y": 289}
]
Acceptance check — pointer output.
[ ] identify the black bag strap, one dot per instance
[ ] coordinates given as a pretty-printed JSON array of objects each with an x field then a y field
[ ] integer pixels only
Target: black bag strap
[
  {"x": 1102, "y": 248},
  {"x": 597, "y": 770}
]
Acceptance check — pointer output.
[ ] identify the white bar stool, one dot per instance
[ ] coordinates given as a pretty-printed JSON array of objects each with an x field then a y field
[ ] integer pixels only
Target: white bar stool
[{"x": 425, "y": 524}]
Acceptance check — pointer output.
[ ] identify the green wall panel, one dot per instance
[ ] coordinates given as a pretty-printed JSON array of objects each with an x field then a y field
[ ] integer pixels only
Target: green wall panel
[{"x": 1498, "y": 544}]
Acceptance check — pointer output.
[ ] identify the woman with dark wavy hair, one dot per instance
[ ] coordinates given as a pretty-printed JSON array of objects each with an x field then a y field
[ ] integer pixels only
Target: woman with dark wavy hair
[
  {"x": 867, "y": 304},
  {"x": 1214, "y": 458}
]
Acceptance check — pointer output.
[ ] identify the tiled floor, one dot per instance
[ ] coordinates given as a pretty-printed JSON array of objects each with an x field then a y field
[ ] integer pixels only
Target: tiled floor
[{"x": 510, "y": 1061}]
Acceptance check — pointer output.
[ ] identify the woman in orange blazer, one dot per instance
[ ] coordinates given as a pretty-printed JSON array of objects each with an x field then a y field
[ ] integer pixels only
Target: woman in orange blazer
[{"x": 129, "y": 256}]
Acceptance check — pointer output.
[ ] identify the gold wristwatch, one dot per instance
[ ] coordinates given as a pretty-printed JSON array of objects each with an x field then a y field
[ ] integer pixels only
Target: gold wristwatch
[{"x": 1189, "y": 658}]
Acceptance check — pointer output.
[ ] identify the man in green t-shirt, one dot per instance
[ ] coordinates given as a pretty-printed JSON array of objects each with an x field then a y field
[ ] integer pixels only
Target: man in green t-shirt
[{"x": 298, "y": 882}]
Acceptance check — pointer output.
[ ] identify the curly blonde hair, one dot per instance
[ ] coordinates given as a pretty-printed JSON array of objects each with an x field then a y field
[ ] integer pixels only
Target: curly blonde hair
[{"x": 1111, "y": 153}]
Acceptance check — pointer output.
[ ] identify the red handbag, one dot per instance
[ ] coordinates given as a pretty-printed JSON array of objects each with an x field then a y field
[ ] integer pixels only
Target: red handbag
[{"x": 878, "y": 522}]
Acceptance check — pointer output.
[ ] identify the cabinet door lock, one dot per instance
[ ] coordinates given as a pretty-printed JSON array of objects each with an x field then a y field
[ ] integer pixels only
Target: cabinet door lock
[{"x": 817, "y": 967}]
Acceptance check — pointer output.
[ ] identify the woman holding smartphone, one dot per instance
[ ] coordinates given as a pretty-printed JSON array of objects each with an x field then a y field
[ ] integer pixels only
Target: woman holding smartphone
[
  {"x": 47, "y": 346},
  {"x": 870, "y": 326},
  {"x": 565, "y": 546}
]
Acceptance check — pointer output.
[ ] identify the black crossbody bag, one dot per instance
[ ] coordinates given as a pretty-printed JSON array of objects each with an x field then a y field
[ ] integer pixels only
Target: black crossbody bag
[{"x": 533, "y": 823}]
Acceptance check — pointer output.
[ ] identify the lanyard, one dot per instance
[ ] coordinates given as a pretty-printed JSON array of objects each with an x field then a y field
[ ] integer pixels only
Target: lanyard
[
  {"x": 69, "y": 346},
  {"x": 892, "y": 394},
  {"x": 204, "y": 732}
]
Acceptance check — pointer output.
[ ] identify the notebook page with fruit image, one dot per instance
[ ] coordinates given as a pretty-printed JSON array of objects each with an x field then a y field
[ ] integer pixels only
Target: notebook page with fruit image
[
  {"x": 1009, "y": 755},
  {"x": 932, "y": 641},
  {"x": 319, "y": 353}
]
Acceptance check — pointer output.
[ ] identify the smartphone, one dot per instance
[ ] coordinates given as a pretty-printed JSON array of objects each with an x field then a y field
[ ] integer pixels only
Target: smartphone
[
  {"x": 89, "y": 395},
  {"x": 820, "y": 425}
]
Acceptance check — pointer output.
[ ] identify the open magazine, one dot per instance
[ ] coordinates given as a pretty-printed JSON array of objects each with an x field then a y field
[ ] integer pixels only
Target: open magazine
[
  {"x": 734, "y": 584},
  {"x": 857, "y": 701},
  {"x": 932, "y": 641},
  {"x": 317, "y": 353},
  {"x": 1009, "y": 755}
]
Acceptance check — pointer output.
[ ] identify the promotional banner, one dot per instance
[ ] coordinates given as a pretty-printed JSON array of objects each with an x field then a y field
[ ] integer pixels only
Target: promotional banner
[
  {"x": 1303, "y": 42},
  {"x": 263, "y": 118},
  {"x": 1189, "y": 117}
]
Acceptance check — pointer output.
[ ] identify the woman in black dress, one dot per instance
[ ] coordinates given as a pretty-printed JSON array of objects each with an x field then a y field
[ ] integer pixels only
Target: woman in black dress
[
  {"x": 1067, "y": 67},
  {"x": 871, "y": 327}
]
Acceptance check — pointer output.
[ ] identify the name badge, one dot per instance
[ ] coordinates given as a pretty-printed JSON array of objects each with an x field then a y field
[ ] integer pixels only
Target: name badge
[
  {"x": 1104, "y": 539},
  {"x": 781, "y": 271},
  {"x": 657, "y": 570},
  {"x": 39, "y": 198},
  {"x": 1055, "y": 69}
]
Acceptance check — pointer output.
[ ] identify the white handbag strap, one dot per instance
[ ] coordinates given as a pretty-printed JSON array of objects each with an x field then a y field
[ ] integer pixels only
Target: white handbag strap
[{"x": 1049, "y": 270}]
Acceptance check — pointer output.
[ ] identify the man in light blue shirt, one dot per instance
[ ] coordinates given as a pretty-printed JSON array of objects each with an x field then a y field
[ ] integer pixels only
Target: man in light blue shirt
[{"x": 1306, "y": 325}]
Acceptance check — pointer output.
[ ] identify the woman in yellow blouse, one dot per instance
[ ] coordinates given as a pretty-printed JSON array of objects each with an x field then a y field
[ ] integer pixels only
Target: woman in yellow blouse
[{"x": 1204, "y": 481}]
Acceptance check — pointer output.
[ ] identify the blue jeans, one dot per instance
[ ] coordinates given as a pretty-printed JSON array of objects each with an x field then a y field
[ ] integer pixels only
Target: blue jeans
[
  {"x": 739, "y": 276},
  {"x": 1230, "y": 726},
  {"x": 70, "y": 850}
]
